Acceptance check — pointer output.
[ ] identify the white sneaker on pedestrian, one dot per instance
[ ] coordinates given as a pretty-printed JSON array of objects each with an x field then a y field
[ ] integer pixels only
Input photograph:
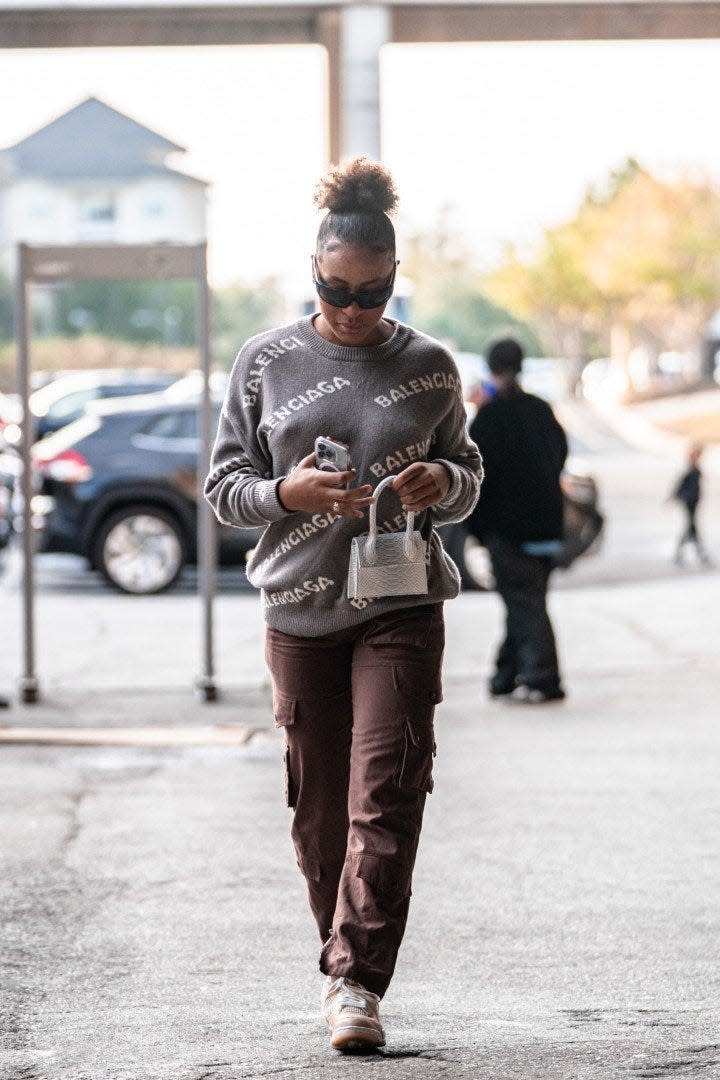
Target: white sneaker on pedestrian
[
  {"x": 352, "y": 1014},
  {"x": 529, "y": 695}
]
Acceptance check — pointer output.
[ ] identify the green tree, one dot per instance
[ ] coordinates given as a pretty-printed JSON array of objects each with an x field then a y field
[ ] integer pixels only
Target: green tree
[
  {"x": 149, "y": 312},
  {"x": 238, "y": 312},
  {"x": 449, "y": 300},
  {"x": 137, "y": 311},
  {"x": 639, "y": 264}
]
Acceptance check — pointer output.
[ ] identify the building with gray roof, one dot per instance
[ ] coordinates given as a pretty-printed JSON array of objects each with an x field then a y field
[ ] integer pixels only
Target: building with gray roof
[{"x": 95, "y": 175}]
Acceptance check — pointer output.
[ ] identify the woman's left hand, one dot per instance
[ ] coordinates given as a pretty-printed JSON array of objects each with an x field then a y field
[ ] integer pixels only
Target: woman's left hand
[{"x": 422, "y": 484}]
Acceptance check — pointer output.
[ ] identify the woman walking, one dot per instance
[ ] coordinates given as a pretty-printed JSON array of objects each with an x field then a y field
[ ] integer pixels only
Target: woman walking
[{"x": 355, "y": 680}]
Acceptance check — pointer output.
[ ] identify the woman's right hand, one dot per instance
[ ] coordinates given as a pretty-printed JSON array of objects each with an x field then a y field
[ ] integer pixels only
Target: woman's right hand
[{"x": 308, "y": 488}]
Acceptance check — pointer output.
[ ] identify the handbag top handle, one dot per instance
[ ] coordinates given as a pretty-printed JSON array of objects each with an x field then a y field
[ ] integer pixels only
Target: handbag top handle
[{"x": 372, "y": 535}]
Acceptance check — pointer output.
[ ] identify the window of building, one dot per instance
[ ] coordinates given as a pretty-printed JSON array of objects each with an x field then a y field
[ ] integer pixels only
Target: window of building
[
  {"x": 154, "y": 208},
  {"x": 97, "y": 207},
  {"x": 40, "y": 211}
]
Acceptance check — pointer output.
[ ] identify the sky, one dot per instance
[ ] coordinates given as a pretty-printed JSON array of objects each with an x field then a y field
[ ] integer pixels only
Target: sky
[{"x": 509, "y": 136}]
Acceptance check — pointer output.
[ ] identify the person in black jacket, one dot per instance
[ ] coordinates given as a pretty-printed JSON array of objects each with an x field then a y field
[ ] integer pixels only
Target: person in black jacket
[
  {"x": 688, "y": 492},
  {"x": 519, "y": 519}
]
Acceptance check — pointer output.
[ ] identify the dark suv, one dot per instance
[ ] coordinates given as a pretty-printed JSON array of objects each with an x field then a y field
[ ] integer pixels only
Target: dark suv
[
  {"x": 65, "y": 398},
  {"x": 120, "y": 487}
]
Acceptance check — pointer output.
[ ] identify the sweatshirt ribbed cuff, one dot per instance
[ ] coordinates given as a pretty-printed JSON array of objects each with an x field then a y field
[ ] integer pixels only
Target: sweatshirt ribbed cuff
[
  {"x": 268, "y": 503},
  {"x": 456, "y": 479}
]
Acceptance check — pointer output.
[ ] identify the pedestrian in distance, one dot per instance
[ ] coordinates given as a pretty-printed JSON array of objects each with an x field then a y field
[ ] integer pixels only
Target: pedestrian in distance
[
  {"x": 688, "y": 492},
  {"x": 355, "y": 679},
  {"x": 519, "y": 519}
]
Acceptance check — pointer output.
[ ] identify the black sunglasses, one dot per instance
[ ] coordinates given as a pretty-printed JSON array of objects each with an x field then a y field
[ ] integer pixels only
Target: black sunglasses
[{"x": 341, "y": 298}]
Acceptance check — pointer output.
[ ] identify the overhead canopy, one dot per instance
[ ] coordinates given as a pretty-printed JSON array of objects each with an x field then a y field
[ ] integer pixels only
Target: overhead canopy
[
  {"x": 352, "y": 33},
  {"x": 46, "y": 24}
]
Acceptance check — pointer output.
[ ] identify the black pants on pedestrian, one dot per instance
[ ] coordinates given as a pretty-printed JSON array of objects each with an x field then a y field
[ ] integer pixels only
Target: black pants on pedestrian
[
  {"x": 690, "y": 535},
  {"x": 528, "y": 654}
]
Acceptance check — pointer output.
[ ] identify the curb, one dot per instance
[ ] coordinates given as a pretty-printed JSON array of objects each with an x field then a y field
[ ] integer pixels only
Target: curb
[{"x": 220, "y": 735}]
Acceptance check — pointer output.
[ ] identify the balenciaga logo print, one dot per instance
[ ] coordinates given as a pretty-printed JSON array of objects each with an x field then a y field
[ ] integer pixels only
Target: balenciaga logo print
[
  {"x": 438, "y": 380},
  {"x": 361, "y": 604},
  {"x": 298, "y": 594},
  {"x": 296, "y": 536},
  {"x": 398, "y": 459},
  {"x": 300, "y": 401},
  {"x": 261, "y": 361}
]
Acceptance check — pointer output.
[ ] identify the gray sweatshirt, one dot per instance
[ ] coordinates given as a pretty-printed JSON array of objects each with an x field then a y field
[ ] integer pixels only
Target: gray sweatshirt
[{"x": 392, "y": 404}]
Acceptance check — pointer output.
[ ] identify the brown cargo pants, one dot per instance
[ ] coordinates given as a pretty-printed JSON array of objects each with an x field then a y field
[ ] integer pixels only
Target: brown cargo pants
[{"x": 357, "y": 708}]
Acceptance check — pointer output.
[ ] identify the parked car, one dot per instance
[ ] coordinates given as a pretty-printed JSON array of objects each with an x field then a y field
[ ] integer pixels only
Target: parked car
[
  {"x": 64, "y": 399},
  {"x": 5, "y": 510},
  {"x": 10, "y": 415},
  {"x": 603, "y": 380},
  {"x": 189, "y": 387},
  {"x": 120, "y": 487}
]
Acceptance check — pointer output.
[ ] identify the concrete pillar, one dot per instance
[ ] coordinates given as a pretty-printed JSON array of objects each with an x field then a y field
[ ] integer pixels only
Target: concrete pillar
[{"x": 353, "y": 36}]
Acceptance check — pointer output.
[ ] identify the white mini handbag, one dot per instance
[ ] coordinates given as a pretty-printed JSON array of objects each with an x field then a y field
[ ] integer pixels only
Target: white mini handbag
[{"x": 387, "y": 564}]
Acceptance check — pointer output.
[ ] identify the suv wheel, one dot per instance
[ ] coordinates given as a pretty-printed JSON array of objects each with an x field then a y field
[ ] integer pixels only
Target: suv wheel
[{"x": 140, "y": 549}]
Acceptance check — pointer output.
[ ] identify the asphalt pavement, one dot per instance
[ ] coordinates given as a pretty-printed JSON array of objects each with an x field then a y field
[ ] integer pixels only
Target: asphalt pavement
[{"x": 564, "y": 920}]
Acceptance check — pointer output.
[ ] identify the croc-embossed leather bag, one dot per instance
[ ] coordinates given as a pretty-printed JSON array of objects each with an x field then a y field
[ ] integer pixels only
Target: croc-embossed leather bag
[{"x": 387, "y": 564}]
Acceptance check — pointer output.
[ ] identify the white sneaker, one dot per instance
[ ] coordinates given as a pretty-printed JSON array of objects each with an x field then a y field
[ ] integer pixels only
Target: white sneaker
[{"x": 352, "y": 1015}]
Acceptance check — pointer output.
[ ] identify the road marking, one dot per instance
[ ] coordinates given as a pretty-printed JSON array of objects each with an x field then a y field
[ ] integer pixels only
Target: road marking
[{"x": 218, "y": 735}]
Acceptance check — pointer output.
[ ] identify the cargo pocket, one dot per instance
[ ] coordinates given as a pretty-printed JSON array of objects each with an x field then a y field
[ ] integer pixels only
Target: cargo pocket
[
  {"x": 308, "y": 864},
  {"x": 418, "y": 683},
  {"x": 290, "y": 786},
  {"x": 419, "y": 749},
  {"x": 419, "y": 688},
  {"x": 284, "y": 708},
  {"x": 389, "y": 879}
]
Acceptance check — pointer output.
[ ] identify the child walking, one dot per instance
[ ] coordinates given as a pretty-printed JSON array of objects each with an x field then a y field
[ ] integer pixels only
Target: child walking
[{"x": 688, "y": 492}]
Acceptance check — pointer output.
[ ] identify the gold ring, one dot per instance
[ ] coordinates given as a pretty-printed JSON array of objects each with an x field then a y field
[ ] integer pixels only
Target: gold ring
[{"x": 336, "y": 507}]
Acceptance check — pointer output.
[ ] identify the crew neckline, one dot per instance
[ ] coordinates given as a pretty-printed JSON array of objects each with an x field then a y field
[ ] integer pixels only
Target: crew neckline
[{"x": 315, "y": 341}]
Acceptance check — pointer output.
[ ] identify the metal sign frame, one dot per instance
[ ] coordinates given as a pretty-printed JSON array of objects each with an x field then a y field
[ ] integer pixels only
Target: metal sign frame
[{"x": 60, "y": 264}]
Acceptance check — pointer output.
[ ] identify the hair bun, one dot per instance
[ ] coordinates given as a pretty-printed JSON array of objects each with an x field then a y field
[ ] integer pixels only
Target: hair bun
[{"x": 357, "y": 185}]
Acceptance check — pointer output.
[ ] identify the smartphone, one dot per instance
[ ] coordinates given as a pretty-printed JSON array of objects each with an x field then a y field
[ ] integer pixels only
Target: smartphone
[{"x": 331, "y": 455}]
